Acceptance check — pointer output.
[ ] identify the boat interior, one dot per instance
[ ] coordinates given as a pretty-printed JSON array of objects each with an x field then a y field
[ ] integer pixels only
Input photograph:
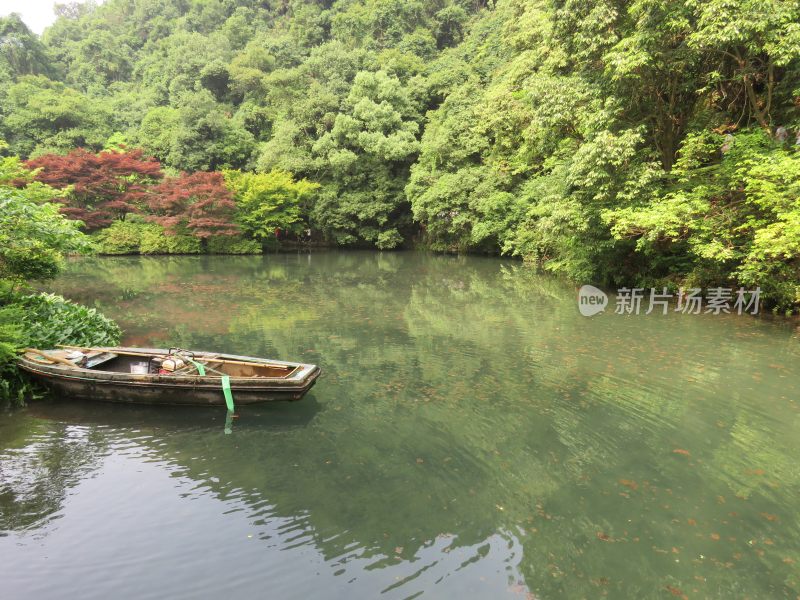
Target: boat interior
[{"x": 119, "y": 362}]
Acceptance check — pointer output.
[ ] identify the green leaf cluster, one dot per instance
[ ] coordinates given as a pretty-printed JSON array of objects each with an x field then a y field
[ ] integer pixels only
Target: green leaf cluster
[
  {"x": 266, "y": 202},
  {"x": 49, "y": 320},
  {"x": 136, "y": 237},
  {"x": 33, "y": 237}
]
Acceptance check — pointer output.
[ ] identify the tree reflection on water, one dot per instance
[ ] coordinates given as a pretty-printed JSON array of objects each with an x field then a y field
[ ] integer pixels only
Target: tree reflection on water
[{"x": 468, "y": 415}]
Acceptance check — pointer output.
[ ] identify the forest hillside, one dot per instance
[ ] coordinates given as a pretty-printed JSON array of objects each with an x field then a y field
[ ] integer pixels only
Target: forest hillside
[{"x": 624, "y": 143}]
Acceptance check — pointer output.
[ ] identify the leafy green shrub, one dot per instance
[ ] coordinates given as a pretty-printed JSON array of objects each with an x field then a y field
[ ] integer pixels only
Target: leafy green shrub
[
  {"x": 389, "y": 239},
  {"x": 731, "y": 217},
  {"x": 49, "y": 320},
  {"x": 44, "y": 321},
  {"x": 136, "y": 237},
  {"x": 33, "y": 237},
  {"x": 122, "y": 237},
  {"x": 233, "y": 245},
  {"x": 154, "y": 240},
  {"x": 13, "y": 388},
  {"x": 268, "y": 201}
]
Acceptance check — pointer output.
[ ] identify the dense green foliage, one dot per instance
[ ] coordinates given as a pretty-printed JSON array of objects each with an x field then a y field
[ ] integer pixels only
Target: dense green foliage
[
  {"x": 44, "y": 321},
  {"x": 233, "y": 245},
  {"x": 136, "y": 237},
  {"x": 630, "y": 143},
  {"x": 49, "y": 320},
  {"x": 34, "y": 237},
  {"x": 13, "y": 388},
  {"x": 267, "y": 202}
]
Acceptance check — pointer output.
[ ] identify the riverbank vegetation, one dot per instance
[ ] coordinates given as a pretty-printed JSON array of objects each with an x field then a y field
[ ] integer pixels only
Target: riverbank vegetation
[
  {"x": 622, "y": 143},
  {"x": 34, "y": 237}
]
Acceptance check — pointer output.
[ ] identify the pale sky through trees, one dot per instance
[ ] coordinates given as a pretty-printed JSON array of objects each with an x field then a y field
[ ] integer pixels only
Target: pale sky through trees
[{"x": 37, "y": 14}]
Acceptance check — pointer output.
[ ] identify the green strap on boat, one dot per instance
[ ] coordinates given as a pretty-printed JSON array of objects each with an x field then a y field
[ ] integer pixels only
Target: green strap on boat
[
  {"x": 228, "y": 423},
  {"x": 201, "y": 370},
  {"x": 226, "y": 384},
  {"x": 226, "y": 389}
]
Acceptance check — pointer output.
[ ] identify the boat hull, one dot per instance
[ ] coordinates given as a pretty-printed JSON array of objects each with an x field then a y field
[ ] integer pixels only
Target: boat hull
[{"x": 128, "y": 388}]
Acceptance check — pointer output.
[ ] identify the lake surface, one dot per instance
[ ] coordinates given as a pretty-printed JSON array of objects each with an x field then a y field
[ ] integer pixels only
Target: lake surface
[{"x": 473, "y": 436}]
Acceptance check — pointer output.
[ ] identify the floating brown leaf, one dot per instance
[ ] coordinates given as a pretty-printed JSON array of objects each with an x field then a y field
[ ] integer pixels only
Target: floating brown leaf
[
  {"x": 676, "y": 591},
  {"x": 769, "y": 517}
]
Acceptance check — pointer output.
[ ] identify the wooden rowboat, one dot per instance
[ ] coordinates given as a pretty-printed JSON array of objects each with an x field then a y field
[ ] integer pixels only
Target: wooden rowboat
[{"x": 131, "y": 375}]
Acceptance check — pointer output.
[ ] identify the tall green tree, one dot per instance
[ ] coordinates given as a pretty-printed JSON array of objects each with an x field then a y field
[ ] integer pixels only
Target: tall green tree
[
  {"x": 21, "y": 51},
  {"x": 367, "y": 154},
  {"x": 266, "y": 202},
  {"x": 47, "y": 116}
]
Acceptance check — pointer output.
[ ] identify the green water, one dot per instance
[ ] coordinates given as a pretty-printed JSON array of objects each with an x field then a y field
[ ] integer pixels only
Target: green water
[{"x": 473, "y": 436}]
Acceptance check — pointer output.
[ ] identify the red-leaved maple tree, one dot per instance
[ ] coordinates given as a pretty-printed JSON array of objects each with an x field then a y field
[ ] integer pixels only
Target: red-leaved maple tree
[
  {"x": 106, "y": 186},
  {"x": 197, "y": 202}
]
